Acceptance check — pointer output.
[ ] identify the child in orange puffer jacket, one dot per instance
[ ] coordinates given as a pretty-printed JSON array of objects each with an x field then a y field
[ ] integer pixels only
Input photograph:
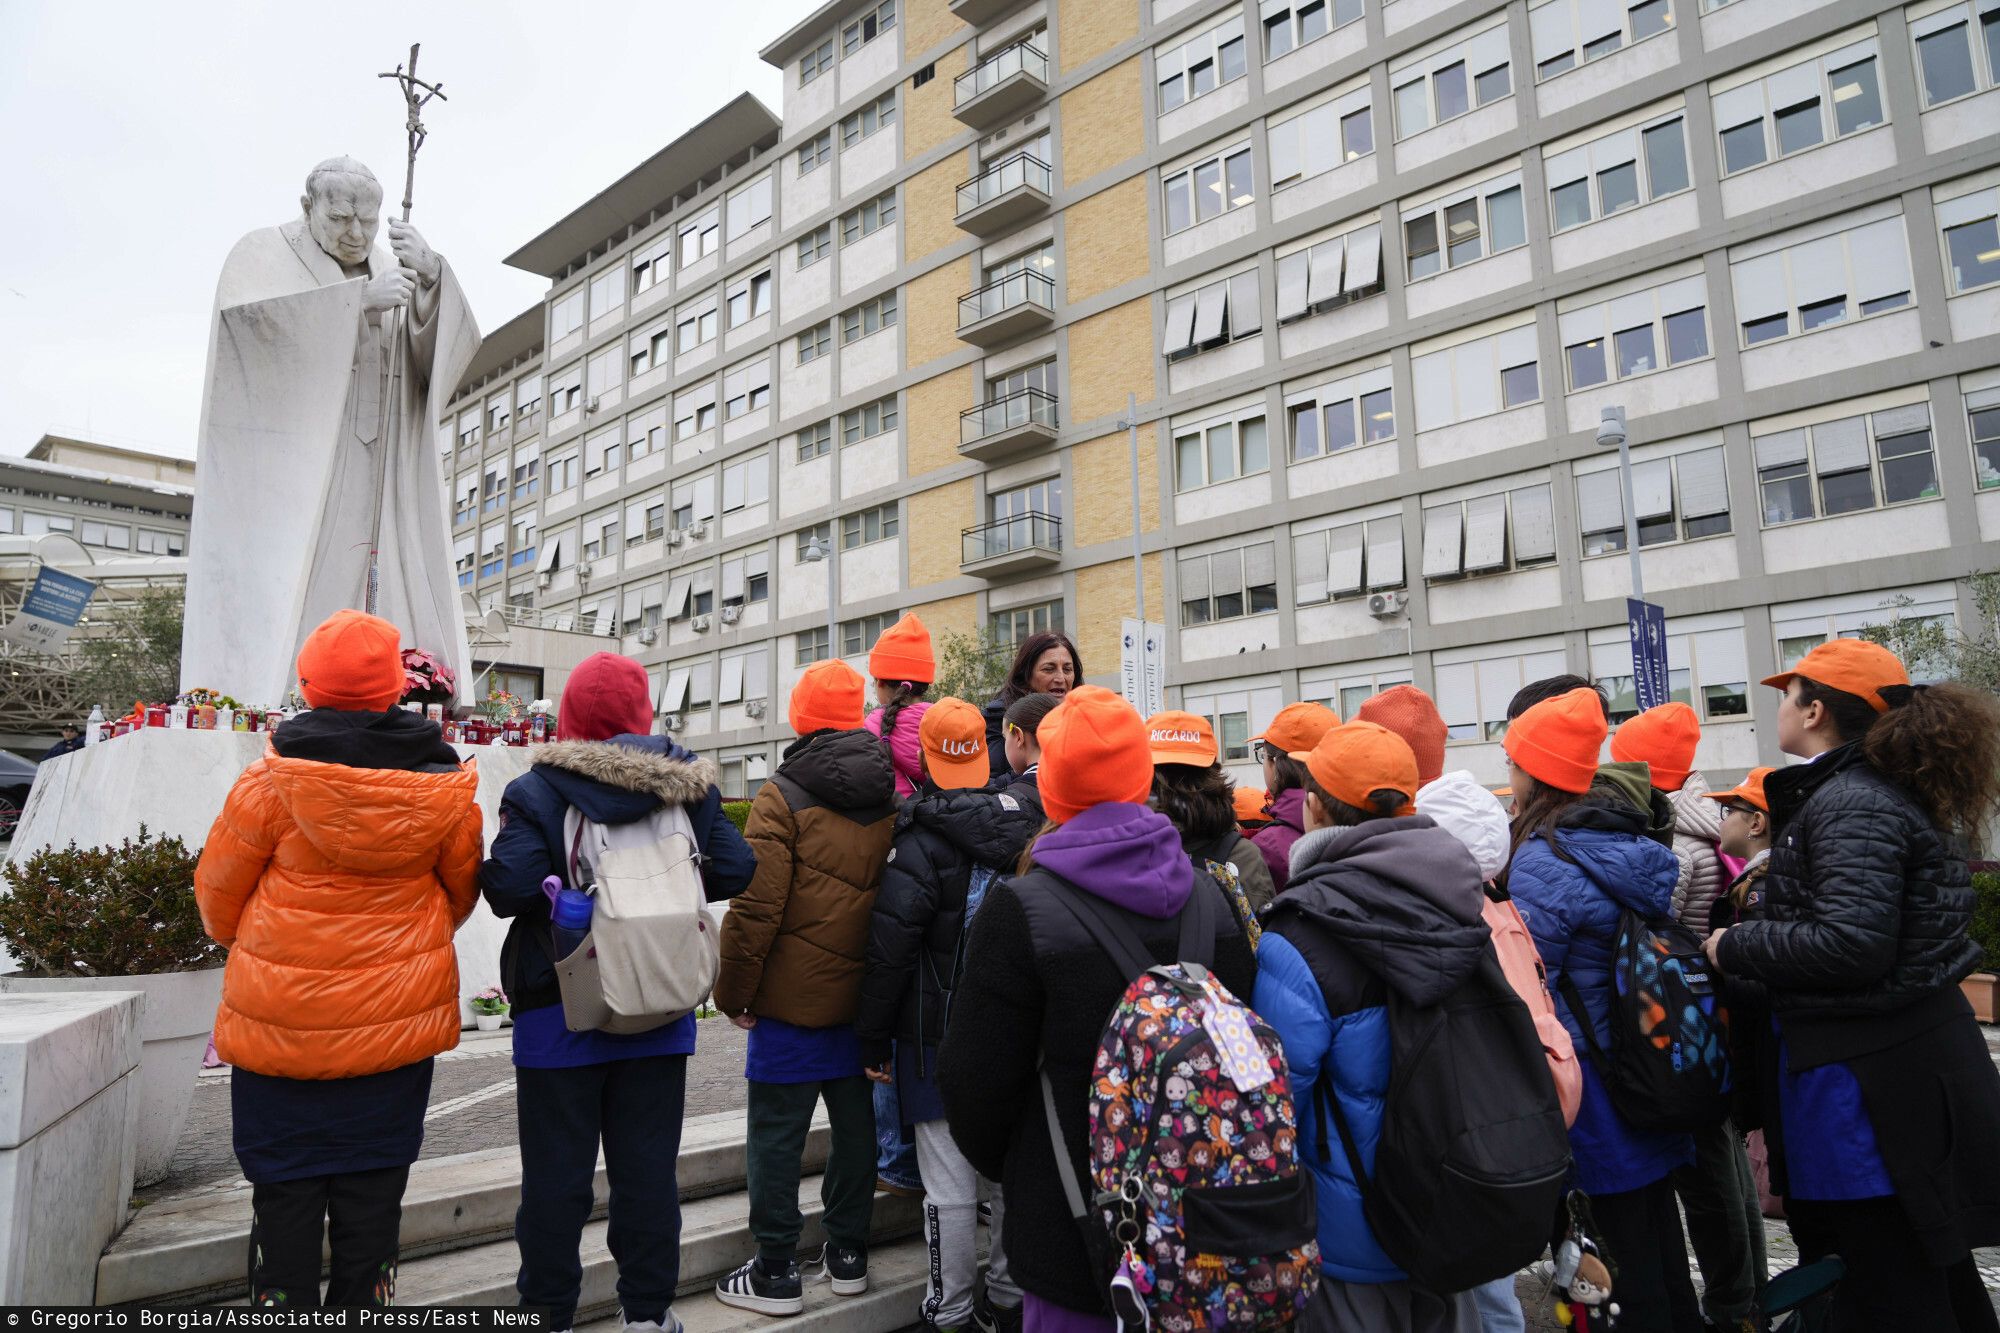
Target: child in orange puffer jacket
[{"x": 341, "y": 865}]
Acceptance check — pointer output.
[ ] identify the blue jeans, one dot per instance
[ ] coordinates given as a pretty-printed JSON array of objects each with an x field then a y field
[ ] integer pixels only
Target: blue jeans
[
  {"x": 895, "y": 1159},
  {"x": 1499, "y": 1307}
]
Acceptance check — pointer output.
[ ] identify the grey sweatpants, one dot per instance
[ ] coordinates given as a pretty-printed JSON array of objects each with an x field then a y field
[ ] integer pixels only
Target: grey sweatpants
[{"x": 951, "y": 1231}]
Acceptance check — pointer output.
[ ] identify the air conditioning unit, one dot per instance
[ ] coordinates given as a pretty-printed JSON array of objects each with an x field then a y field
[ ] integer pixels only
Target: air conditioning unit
[
  {"x": 544, "y": 580},
  {"x": 675, "y": 536},
  {"x": 673, "y": 722},
  {"x": 731, "y": 614},
  {"x": 1382, "y": 605},
  {"x": 754, "y": 708},
  {"x": 698, "y": 530},
  {"x": 590, "y": 406},
  {"x": 649, "y": 636},
  {"x": 584, "y": 571},
  {"x": 700, "y": 624}
]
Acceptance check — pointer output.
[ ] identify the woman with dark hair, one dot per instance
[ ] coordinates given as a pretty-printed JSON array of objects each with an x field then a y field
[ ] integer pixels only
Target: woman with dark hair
[
  {"x": 1046, "y": 663},
  {"x": 1295, "y": 730},
  {"x": 1190, "y": 788},
  {"x": 1881, "y": 1103}
]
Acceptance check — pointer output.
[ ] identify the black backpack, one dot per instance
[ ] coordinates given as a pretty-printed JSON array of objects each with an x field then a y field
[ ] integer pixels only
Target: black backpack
[
  {"x": 1668, "y": 1066},
  {"x": 1473, "y": 1152}
]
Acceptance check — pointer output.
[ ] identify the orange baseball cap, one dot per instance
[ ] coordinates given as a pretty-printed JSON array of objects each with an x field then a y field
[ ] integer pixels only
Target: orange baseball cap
[
  {"x": 1558, "y": 740},
  {"x": 1250, "y": 803},
  {"x": 1750, "y": 790},
  {"x": 1298, "y": 727},
  {"x": 904, "y": 653},
  {"x": 1664, "y": 738},
  {"x": 1094, "y": 751},
  {"x": 827, "y": 698},
  {"x": 1357, "y": 759},
  {"x": 1181, "y": 738},
  {"x": 953, "y": 734},
  {"x": 1853, "y": 666}
]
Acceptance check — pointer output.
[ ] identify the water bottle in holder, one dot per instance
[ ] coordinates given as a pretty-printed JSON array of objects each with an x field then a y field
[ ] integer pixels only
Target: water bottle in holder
[{"x": 569, "y": 916}]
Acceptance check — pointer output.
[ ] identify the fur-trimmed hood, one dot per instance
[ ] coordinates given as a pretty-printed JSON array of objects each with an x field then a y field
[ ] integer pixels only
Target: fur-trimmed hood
[{"x": 625, "y": 778}]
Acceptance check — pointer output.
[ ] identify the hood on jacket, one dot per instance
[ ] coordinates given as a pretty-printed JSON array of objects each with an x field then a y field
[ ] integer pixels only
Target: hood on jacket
[
  {"x": 392, "y": 739},
  {"x": 1403, "y": 895},
  {"x": 1289, "y": 808},
  {"x": 844, "y": 770},
  {"x": 1612, "y": 842},
  {"x": 373, "y": 821},
  {"x": 990, "y": 828},
  {"x": 626, "y": 778},
  {"x": 1461, "y": 807},
  {"x": 1129, "y": 855},
  {"x": 1696, "y": 816},
  {"x": 1632, "y": 781}
]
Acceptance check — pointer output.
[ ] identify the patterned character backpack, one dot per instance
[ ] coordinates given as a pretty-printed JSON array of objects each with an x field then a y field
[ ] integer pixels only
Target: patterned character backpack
[{"x": 1199, "y": 1217}]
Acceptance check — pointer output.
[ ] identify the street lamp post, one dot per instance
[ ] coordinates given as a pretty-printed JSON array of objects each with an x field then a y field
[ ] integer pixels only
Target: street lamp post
[
  {"x": 1611, "y": 433},
  {"x": 815, "y": 553}
]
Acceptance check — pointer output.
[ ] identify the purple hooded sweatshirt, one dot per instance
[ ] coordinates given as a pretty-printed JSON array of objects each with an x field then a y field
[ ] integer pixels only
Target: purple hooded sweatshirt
[
  {"x": 1275, "y": 839},
  {"x": 906, "y": 747}
]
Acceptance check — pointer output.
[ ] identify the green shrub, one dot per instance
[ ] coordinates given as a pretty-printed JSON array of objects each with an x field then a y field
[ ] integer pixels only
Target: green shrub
[
  {"x": 738, "y": 813},
  {"x": 117, "y": 911},
  {"x": 1986, "y": 918}
]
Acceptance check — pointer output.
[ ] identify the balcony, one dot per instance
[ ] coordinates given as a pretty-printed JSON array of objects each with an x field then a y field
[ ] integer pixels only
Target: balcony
[
  {"x": 1001, "y": 87},
  {"x": 1016, "y": 424},
  {"x": 1007, "y": 309},
  {"x": 1012, "y": 545},
  {"x": 1010, "y": 192},
  {"x": 979, "y": 13}
]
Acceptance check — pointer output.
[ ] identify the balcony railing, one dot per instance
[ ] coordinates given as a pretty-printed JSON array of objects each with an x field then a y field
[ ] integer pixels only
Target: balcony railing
[
  {"x": 1009, "y": 173},
  {"x": 1010, "y": 415},
  {"x": 1028, "y": 292},
  {"x": 1002, "y": 86},
  {"x": 1033, "y": 535}
]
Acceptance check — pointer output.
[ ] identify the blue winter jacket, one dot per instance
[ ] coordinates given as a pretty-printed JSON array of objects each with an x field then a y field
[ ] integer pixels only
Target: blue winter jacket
[
  {"x": 1388, "y": 903},
  {"x": 1571, "y": 907}
]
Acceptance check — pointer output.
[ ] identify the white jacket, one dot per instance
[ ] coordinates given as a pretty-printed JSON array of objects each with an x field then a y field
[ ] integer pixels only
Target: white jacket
[{"x": 1697, "y": 827}]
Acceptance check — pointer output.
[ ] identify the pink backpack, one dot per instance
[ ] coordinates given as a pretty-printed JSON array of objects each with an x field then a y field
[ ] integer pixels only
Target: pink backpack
[{"x": 1522, "y": 963}]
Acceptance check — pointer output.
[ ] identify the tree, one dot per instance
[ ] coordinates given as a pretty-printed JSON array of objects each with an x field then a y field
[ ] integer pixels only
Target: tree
[
  {"x": 971, "y": 667},
  {"x": 1934, "y": 649},
  {"x": 133, "y": 652}
]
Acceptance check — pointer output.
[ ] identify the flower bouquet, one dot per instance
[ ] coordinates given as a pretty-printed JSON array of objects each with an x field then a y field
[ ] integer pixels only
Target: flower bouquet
[{"x": 427, "y": 680}]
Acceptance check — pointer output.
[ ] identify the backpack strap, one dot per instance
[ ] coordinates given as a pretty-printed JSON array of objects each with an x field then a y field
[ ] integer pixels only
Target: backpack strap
[
  {"x": 1574, "y": 998},
  {"x": 1064, "y": 1168}
]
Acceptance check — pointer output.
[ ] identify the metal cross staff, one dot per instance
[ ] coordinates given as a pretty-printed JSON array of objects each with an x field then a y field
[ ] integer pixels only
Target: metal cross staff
[{"x": 392, "y": 329}]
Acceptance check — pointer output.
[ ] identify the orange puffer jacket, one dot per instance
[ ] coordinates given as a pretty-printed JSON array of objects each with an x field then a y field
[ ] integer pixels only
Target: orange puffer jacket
[{"x": 337, "y": 890}]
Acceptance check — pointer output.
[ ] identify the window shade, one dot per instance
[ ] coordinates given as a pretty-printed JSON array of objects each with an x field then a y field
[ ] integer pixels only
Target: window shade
[
  {"x": 1903, "y": 420},
  {"x": 1292, "y": 279},
  {"x": 1443, "y": 529},
  {"x": 1309, "y": 567},
  {"x": 677, "y": 597},
  {"x": 673, "y": 695},
  {"x": 1550, "y": 30},
  {"x": 1653, "y": 489},
  {"x": 1324, "y": 284},
  {"x": 1225, "y": 572},
  {"x": 1485, "y": 533},
  {"x": 1704, "y": 485},
  {"x": 1458, "y": 694},
  {"x": 1760, "y": 287},
  {"x": 704, "y": 497},
  {"x": 1245, "y": 314},
  {"x": 1840, "y": 446},
  {"x": 1881, "y": 259},
  {"x": 1721, "y": 657},
  {"x": 1194, "y": 578},
  {"x": 1534, "y": 524},
  {"x": 1343, "y": 559},
  {"x": 1180, "y": 325},
  {"x": 1385, "y": 552},
  {"x": 631, "y": 604},
  {"x": 1787, "y": 446},
  {"x": 732, "y": 581},
  {"x": 1260, "y": 565},
  {"x": 1789, "y": 87},
  {"x": 1210, "y": 302},
  {"x": 1364, "y": 259},
  {"x": 731, "y": 689},
  {"x": 1600, "y": 501},
  {"x": 1819, "y": 270},
  {"x": 551, "y": 555}
]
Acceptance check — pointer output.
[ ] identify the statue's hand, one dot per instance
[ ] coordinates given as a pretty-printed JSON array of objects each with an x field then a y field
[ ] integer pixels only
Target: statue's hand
[
  {"x": 392, "y": 289},
  {"x": 413, "y": 254}
]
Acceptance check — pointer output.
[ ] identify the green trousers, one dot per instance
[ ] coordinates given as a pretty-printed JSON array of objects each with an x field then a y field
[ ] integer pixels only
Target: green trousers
[{"x": 780, "y": 1116}]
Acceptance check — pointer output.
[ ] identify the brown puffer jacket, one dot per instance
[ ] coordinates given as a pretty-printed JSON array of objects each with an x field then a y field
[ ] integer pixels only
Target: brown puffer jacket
[{"x": 794, "y": 942}]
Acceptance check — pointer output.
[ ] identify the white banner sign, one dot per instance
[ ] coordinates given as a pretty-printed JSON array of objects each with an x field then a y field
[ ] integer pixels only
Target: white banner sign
[{"x": 1142, "y": 675}]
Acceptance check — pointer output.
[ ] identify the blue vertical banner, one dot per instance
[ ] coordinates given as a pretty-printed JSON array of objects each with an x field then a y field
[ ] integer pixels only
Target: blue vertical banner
[{"x": 1648, "y": 624}]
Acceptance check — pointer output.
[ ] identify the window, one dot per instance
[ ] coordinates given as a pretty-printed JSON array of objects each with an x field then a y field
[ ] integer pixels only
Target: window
[
  {"x": 868, "y": 317},
  {"x": 1290, "y": 24},
  {"x": 1348, "y": 559},
  {"x": 694, "y": 411},
  {"x": 815, "y": 152},
  {"x": 700, "y": 237},
  {"x": 1955, "y": 56},
  {"x": 692, "y": 502},
  {"x": 866, "y": 422},
  {"x": 651, "y": 349},
  {"x": 859, "y": 636},
  {"x": 566, "y": 315},
  {"x": 816, "y": 62},
  {"x": 1448, "y": 83},
  {"x": 1228, "y": 585},
  {"x": 815, "y": 245},
  {"x": 607, "y": 293},
  {"x": 750, "y": 207},
  {"x": 1212, "y": 315},
  {"x": 1520, "y": 384},
  {"x": 600, "y": 535},
  {"x": 1617, "y": 172},
  {"x": 746, "y": 389},
  {"x": 564, "y": 473},
  {"x": 497, "y": 414},
  {"x": 815, "y": 342},
  {"x": 1675, "y": 499},
  {"x": 866, "y": 220},
  {"x": 1336, "y": 417},
  {"x": 1465, "y": 537},
  {"x": 1708, "y": 663},
  {"x": 697, "y": 324},
  {"x": 1474, "y": 378},
  {"x": 37, "y": 525},
  {"x": 607, "y": 372},
  {"x": 1041, "y": 377},
  {"x": 1206, "y": 453},
  {"x": 1849, "y": 274},
  {"x": 1802, "y": 626},
  {"x": 603, "y": 451},
  {"x": 746, "y": 578},
  {"x": 1636, "y": 333},
  {"x": 746, "y": 484},
  {"x": 150, "y": 541},
  {"x": 881, "y": 523},
  {"x": 1569, "y": 33},
  {"x": 566, "y": 390},
  {"x": 97, "y": 533},
  {"x": 1007, "y": 630},
  {"x": 1971, "y": 228},
  {"x": 1803, "y": 106},
  {"x": 1843, "y": 466},
  {"x": 528, "y": 399},
  {"x": 1207, "y": 188},
  {"x": 1330, "y": 273},
  {"x": 811, "y": 646},
  {"x": 861, "y": 31},
  {"x": 860, "y": 124},
  {"x": 816, "y": 441},
  {"x": 1315, "y": 142},
  {"x": 1983, "y": 407},
  {"x": 1465, "y": 226},
  {"x": 1200, "y": 65},
  {"x": 820, "y": 534},
  {"x": 749, "y": 297},
  {"x": 924, "y": 75},
  {"x": 651, "y": 263}
]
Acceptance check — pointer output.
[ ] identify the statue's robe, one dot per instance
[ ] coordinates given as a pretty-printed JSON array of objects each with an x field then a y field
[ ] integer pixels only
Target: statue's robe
[{"x": 296, "y": 456}]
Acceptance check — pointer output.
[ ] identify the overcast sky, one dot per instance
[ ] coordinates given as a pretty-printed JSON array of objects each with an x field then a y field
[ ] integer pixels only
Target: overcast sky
[{"x": 139, "y": 141}]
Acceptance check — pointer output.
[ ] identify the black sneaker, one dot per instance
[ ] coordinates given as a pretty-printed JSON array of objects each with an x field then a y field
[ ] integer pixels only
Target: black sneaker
[
  {"x": 754, "y": 1287},
  {"x": 1004, "y": 1318},
  {"x": 846, "y": 1269}
]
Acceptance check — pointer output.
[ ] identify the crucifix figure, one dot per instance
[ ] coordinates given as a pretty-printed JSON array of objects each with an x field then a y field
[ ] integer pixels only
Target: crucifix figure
[{"x": 321, "y": 485}]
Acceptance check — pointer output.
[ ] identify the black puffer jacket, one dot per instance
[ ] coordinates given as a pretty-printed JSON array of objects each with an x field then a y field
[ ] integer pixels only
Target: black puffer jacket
[
  {"x": 919, "y": 920},
  {"x": 1867, "y": 905}
]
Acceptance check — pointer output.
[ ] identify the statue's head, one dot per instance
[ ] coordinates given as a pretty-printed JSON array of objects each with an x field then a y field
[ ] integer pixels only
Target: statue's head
[{"x": 343, "y": 206}]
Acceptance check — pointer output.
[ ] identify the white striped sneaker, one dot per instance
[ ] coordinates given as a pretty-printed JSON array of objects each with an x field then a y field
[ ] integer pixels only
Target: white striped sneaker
[{"x": 751, "y": 1287}]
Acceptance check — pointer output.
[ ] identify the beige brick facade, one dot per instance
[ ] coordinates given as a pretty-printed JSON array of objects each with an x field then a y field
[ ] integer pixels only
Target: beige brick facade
[
  {"x": 1092, "y": 27},
  {"x": 1110, "y": 354},
  {"x": 1101, "y": 469},
  {"x": 953, "y": 615},
  {"x": 1103, "y": 598},
  {"x": 928, "y": 22},
  {"x": 1105, "y": 239},
  {"x": 1103, "y": 122},
  {"x": 930, "y": 324},
  {"x": 935, "y": 519},
  {"x": 927, "y": 118},
  {"x": 930, "y": 414},
  {"x": 930, "y": 200}
]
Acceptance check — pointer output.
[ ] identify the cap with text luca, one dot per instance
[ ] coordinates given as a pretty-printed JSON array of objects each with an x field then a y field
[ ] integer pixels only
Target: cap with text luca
[{"x": 953, "y": 734}]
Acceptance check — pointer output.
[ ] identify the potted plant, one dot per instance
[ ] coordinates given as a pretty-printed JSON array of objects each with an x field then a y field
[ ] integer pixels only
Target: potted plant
[
  {"x": 427, "y": 680},
  {"x": 123, "y": 918},
  {"x": 489, "y": 1007},
  {"x": 1982, "y": 988}
]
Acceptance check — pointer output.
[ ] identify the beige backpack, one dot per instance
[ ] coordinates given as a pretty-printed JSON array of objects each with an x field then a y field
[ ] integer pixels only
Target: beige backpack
[{"x": 652, "y": 953}]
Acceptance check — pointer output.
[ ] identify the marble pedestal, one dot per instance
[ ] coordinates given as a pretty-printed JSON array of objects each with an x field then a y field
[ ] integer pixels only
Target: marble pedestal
[
  {"x": 174, "y": 782},
  {"x": 69, "y": 1109}
]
